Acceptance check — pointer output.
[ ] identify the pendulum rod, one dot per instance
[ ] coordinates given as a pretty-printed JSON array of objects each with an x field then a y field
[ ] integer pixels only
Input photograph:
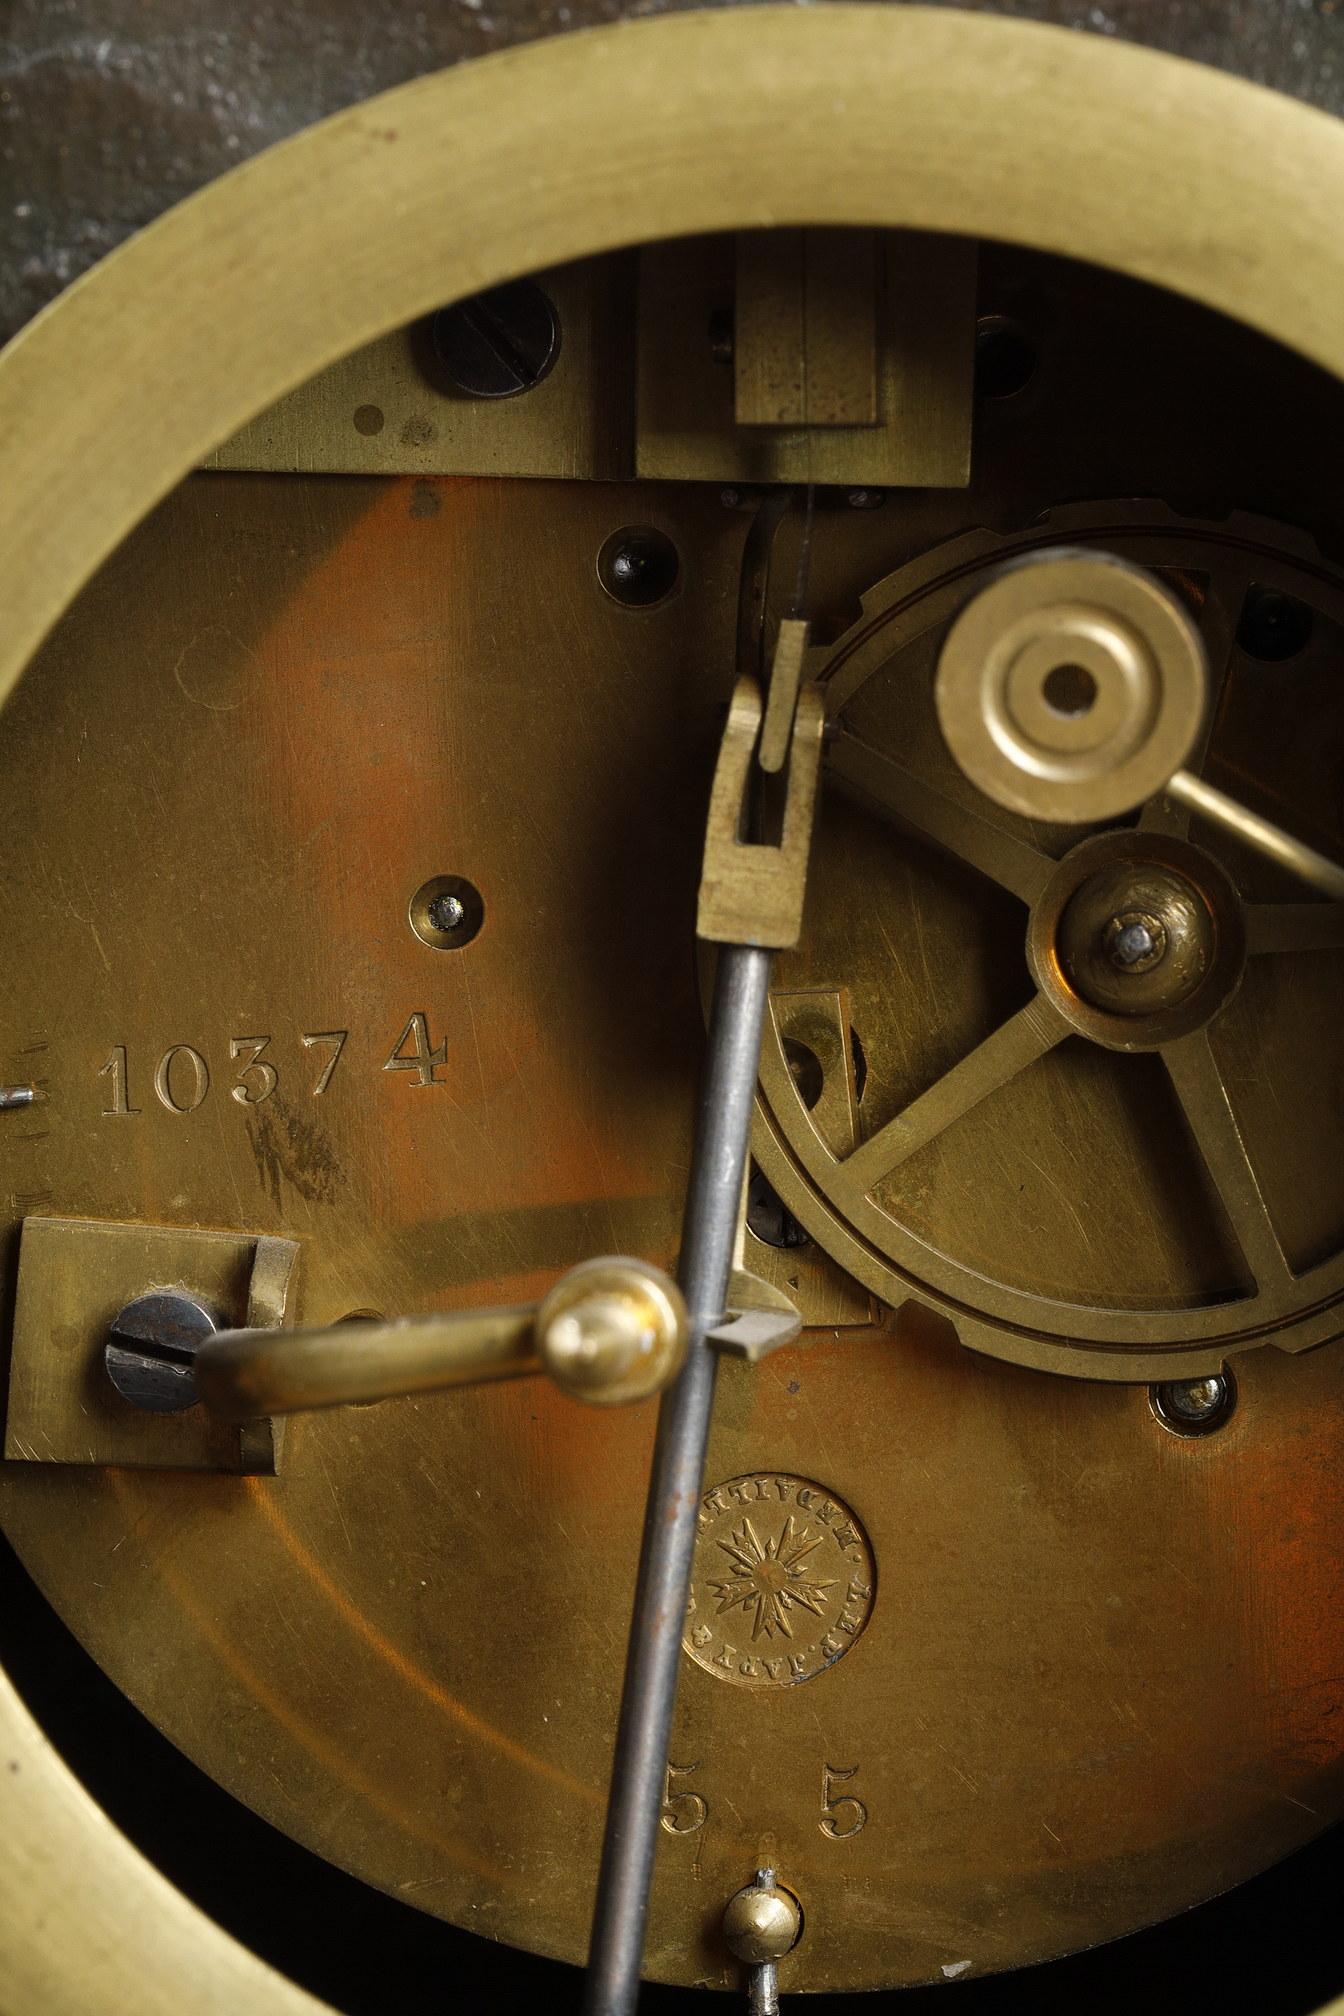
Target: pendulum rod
[
  {"x": 751, "y": 905},
  {"x": 640, "y": 1763}
]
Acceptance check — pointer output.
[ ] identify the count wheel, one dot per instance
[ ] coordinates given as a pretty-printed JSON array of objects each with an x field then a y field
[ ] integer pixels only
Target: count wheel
[{"x": 1074, "y": 1088}]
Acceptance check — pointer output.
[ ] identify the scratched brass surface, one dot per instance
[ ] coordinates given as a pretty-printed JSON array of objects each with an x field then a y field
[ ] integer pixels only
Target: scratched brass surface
[{"x": 1096, "y": 1679}]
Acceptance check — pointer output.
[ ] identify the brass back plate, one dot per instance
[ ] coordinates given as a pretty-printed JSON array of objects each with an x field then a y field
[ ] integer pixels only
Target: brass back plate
[{"x": 459, "y": 1569}]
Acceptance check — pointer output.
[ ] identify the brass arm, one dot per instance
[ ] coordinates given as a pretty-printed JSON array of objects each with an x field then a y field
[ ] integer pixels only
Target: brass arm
[{"x": 610, "y": 1331}]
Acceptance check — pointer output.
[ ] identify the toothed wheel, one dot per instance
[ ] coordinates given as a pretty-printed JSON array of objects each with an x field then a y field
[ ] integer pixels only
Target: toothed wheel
[{"x": 1076, "y": 1091}]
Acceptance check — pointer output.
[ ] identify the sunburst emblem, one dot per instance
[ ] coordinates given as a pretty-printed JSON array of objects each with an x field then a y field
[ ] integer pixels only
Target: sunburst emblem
[{"x": 768, "y": 1578}]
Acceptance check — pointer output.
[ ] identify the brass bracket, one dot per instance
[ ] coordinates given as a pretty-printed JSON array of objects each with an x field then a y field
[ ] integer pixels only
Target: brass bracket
[
  {"x": 852, "y": 365},
  {"x": 852, "y": 359},
  {"x": 388, "y": 409},
  {"x": 751, "y": 892},
  {"x": 75, "y": 1274},
  {"x": 766, "y": 1314}
]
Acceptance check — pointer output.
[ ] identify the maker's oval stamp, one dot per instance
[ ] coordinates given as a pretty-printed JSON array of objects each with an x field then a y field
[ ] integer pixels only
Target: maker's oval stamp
[{"x": 782, "y": 1584}]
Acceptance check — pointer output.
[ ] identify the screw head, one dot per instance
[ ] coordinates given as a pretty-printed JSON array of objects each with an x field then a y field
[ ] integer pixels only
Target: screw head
[
  {"x": 1273, "y": 627},
  {"x": 638, "y": 566},
  {"x": 763, "y": 1921},
  {"x": 446, "y": 912},
  {"x": 499, "y": 343},
  {"x": 1194, "y": 1406},
  {"x": 1136, "y": 938},
  {"x": 151, "y": 1348},
  {"x": 1134, "y": 941}
]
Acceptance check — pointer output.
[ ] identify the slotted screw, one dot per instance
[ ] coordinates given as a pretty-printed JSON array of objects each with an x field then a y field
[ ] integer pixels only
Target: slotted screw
[
  {"x": 151, "y": 1349},
  {"x": 499, "y": 343}
]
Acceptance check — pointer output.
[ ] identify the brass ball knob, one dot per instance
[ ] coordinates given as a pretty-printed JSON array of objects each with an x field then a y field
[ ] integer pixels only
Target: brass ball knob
[
  {"x": 762, "y": 1922},
  {"x": 612, "y": 1332}
]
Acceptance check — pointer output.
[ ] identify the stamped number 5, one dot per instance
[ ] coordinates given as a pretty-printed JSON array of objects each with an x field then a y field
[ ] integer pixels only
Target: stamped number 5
[
  {"x": 843, "y": 1816},
  {"x": 683, "y": 1812}
]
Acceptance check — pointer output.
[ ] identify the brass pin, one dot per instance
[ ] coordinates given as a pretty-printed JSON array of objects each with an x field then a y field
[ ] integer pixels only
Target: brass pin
[{"x": 762, "y": 1923}]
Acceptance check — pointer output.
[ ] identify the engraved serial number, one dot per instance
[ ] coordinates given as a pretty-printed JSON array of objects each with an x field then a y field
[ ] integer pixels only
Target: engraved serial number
[{"x": 180, "y": 1079}]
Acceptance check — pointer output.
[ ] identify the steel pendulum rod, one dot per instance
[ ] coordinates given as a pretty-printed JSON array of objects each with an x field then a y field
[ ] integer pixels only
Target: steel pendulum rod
[
  {"x": 751, "y": 905},
  {"x": 640, "y": 1763}
]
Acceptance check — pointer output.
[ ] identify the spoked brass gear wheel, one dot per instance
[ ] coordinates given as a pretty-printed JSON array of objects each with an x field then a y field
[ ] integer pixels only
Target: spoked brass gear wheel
[{"x": 1089, "y": 1159}]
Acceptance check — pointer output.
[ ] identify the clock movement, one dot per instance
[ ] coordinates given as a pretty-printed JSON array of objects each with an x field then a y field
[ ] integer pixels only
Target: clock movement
[{"x": 672, "y": 818}]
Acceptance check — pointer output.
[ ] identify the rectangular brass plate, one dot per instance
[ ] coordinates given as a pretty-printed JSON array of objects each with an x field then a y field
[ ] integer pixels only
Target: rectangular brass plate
[
  {"x": 686, "y": 422},
  {"x": 387, "y": 409},
  {"x": 805, "y": 329},
  {"x": 74, "y": 1276},
  {"x": 636, "y": 389}
]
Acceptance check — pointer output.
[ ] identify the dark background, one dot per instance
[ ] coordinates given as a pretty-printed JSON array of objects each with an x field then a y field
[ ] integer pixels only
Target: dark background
[
  {"x": 1272, "y": 1948},
  {"x": 108, "y": 115},
  {"x": 111, "y": 110}
]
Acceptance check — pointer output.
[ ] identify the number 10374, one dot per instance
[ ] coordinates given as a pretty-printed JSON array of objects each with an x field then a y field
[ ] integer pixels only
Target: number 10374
[{"x": 249, "y": 1069}]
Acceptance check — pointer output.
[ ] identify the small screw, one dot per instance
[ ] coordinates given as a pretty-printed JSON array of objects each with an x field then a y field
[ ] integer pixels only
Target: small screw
[
  {"x": 638, "y": 566},
  {"x": 151, "y": 1347},
  {"x": 1194, "y": 1406},
  {"x": 1273, "y": 627},
  {"x": 1134, "y": 941},
  {"x": 1131, "y": 943},
  {"x": 499, "y": 343},
  {"x": 446, "y": 912}
]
